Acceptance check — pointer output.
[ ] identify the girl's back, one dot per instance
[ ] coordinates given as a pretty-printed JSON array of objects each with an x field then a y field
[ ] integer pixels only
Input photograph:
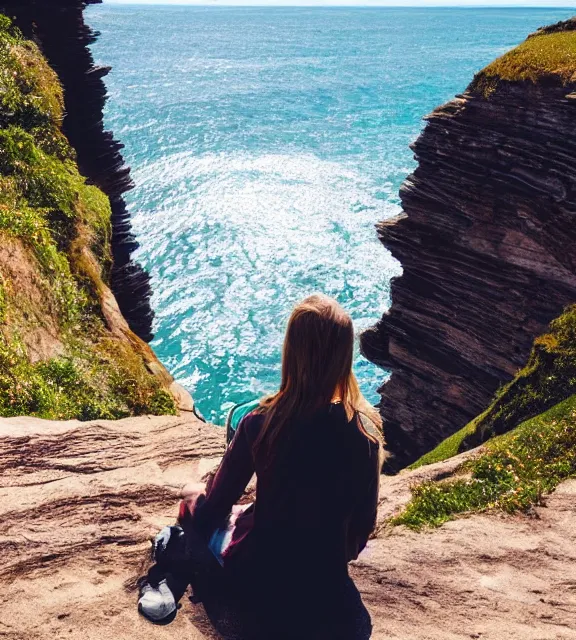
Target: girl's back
[
  {"x": 317, "y": 473},
  {"x": 315, "y": 507},
  {"x": 323, "y": 467}
]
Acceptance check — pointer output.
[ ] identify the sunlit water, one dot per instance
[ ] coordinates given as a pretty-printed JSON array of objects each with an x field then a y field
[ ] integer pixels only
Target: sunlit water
[{"x": 265, "y": 145}]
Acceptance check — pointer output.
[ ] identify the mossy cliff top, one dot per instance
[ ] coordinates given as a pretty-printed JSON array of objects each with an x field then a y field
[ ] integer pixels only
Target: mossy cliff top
[
  {"x": 65, "y": 350},
  {"x": 529, "y": 431},
  {"x": 549, "y": 55}
]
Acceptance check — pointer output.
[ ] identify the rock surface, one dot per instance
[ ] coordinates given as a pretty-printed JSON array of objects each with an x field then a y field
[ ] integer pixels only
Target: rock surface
[
  {"x": 80, "y": 501},
  {"x": 487, "y": 242},
  {"x": 78, "y": 505}
]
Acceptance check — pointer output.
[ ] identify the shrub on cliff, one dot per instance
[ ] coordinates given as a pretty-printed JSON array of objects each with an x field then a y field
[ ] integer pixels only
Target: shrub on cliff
[{"x": 58, "y": 357}]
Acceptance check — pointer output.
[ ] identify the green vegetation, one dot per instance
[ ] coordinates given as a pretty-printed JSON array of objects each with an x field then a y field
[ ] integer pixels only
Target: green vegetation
[
  {"x": 44, "y": 201},
  {"x": 55, "y": 230},
  {"x": 30, "y": 95},
  {"x": 84, "y": 385},
  {"x": 447, "y": 448},
  {"x": 517, "y": 469},
  {"x": 541, "y": 57},
  {"x": 548, "y": 378}
]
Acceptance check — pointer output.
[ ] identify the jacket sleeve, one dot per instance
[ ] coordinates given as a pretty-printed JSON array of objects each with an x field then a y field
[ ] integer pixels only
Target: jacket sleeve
[
  {"x": 363, "y": 518},
  {"x": 234, "y": 473}
]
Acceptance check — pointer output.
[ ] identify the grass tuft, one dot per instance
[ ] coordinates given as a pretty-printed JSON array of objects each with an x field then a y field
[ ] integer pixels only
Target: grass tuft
[
  {"x": 549, "y": 56},
  {"x": 513, "y": 475},
  {"x": 109, "y": 383}
]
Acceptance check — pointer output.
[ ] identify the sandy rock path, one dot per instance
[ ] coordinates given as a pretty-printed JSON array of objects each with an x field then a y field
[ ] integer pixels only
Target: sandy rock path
[{"x": 80, "y": 501}]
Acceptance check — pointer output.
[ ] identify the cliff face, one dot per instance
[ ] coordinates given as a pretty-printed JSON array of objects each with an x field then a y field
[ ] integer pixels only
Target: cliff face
[
  {"x": 487, "y": 241},
  {"x": 65, "y": 349},
  {"x": 58, "y": 27}
]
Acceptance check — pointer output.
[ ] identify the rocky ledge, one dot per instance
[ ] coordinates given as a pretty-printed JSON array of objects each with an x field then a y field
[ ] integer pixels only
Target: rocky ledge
[
  {"x": 487, "y": 241},
  {"x": 79, "y": 503}
]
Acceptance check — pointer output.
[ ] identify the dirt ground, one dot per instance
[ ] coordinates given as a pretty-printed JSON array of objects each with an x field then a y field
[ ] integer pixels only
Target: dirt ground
[{"x": 80, "y": 501}]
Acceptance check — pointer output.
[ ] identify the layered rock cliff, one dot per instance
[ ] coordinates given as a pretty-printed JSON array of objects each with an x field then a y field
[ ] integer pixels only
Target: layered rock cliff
[
  {"x": 59, "y": 29},
  {"x": 487, "y": 242},
  {"x": 65, "y": 348}
]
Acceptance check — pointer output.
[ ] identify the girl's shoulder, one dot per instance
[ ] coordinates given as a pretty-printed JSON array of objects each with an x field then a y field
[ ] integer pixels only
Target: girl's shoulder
[
  {"x": 251, "y": 423},
  {"x": 362, "y": 437}
]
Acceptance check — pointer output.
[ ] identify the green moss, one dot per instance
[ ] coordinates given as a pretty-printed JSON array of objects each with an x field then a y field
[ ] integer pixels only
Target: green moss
[
  {"x": 63, "y": 225},
  {"x": 53, "y": 186},
  {"x": 546, "y": 56},
  {"x": 43, "y": 198},
  {"x": 94, "y": 208},
  {"x": 31, "y": 225},
  {"x": 86, "y": 385},
  {"x": 129, "y": 379},
  {"x": 30, "y": 95},
  {"x": 447, "y": 448},
  {"x": 548, "y": 378},
  {"x": 55, "y": 389},
  {"x": 515, "y": 472}
]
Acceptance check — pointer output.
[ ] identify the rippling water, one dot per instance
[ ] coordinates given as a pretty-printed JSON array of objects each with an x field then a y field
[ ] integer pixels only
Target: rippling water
[{"x": 265, "y": 145}]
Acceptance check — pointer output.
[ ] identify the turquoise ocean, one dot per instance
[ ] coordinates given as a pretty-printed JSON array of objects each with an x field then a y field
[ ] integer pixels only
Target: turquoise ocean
[{"x": 265, "y": 144}]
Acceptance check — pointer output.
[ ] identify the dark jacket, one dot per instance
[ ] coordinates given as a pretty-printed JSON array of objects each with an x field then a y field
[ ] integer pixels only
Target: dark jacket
[{"x": 315, "y": 508}]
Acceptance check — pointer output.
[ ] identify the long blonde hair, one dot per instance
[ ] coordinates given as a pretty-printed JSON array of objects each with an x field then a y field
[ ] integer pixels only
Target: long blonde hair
[{"x": 316, "y": 370}]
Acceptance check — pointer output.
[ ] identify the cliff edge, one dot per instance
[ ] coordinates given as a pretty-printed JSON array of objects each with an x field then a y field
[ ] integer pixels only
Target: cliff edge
[
  {"x": 79, "y": 503},
  {"x": 58, "y": 27},
  {"x": 487, "y": 242}
]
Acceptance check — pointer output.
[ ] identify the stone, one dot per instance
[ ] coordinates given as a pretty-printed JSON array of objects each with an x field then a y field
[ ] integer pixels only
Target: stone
[
  {"x": 487, "y": 241},
  {"x": 81, "y": 501}
]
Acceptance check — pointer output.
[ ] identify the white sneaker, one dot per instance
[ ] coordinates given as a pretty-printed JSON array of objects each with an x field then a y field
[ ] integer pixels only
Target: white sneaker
[{"x": 156, "y": 603}]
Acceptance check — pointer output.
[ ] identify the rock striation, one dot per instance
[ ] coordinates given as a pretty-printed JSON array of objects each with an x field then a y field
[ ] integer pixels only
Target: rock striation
[
  {"x": 79, "y": 503},
  {"x": 487, "y": 241},
  {"x": 59, "y": 28}
]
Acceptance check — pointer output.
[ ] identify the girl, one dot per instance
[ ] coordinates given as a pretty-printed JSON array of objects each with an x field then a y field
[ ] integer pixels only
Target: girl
[{"x": 316, "y": 453}]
